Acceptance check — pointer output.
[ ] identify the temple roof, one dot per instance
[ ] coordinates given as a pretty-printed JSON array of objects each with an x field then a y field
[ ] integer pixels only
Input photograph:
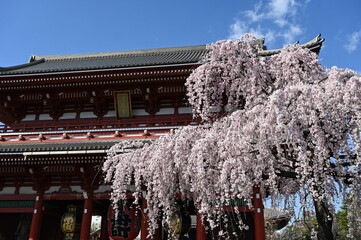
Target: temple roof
[
  {"x": 110, "y": 60},
  {"x": 278, "y": 218},
  {"x": 314, "y": 45},
  {"x": 124, "y": 59},
  {"x": 274, "y": 213}
]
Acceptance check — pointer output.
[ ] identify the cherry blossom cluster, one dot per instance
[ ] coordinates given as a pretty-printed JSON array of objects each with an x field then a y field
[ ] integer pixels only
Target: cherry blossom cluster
[{"x": 282, "y": 123}]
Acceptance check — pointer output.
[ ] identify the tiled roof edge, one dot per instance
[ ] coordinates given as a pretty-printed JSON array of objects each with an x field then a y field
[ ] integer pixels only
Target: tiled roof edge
[
  {"x": 59, "y": 146},
  {"x": 31, "y": 63},
  {"x": 317, "y": 41},
  {"x": 144, "y": 52}
]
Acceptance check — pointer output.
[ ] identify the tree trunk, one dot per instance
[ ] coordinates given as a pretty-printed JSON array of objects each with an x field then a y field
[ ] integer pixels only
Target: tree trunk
[{"x": 324, "y": 219}]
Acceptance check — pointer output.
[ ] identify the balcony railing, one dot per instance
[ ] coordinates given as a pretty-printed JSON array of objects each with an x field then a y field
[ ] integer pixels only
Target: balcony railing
[{"x": 94, "y": 124}]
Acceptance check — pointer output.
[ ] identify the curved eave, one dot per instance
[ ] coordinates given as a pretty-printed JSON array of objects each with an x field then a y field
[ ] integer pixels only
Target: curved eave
[
  {"x": 20, "y": 66},
  {"x": 314, "y": 45}
]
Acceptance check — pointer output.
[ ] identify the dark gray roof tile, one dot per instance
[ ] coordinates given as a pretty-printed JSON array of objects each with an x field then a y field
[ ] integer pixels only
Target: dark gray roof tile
[{"x": 125, "y": 59}]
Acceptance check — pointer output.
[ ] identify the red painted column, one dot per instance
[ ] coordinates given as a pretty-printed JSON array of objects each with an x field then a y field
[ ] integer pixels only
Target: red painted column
[
  {"x": 37, "y": 216},
  {"x": 158, "y": 232},
  {"x": 87, "y": 217},
  {"x": 200, "y": 229},
  {"x": 104, "y": 228},
  {"x": 258, "y": 213}
]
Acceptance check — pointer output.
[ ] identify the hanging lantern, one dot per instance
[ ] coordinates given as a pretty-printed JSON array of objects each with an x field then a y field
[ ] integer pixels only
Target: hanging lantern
[
  {"x": 126, "y": 225},
  {"x": 180, "y": 222},
  {"x": 70, "y": 223}
]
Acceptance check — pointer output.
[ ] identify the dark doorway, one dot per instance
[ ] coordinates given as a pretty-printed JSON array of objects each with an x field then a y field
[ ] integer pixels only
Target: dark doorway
[{"x": 15, "y": 226}]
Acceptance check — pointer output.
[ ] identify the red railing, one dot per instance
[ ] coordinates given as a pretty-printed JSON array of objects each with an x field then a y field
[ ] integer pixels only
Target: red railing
[{"x": 94, "y": 124}]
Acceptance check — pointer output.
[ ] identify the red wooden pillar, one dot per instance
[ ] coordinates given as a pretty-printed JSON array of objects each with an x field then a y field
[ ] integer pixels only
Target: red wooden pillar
[
  {"x": 158, "y": 232},
  {"x": 258, "y": 213},
  {"x": 104, "y": 228},
  {"x": 200, "y": 229},
  {"x": 37, "y": 216},
  {"x": 87, "y": 217}
]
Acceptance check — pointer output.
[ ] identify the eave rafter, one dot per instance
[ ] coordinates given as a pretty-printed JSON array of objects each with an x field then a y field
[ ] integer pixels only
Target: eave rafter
[
  {"x": 50, "y": 92},
  {"x": 41, "y": 172},
  {"x": 96, "y": 78}
]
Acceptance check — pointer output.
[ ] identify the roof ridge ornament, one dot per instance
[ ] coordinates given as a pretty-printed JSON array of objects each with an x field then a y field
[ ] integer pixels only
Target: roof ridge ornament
[{"x": 313, "y": 44}]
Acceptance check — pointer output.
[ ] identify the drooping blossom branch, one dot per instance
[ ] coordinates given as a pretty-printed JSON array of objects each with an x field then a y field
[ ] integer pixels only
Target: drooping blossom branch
[{"x": 291, "y": 120}]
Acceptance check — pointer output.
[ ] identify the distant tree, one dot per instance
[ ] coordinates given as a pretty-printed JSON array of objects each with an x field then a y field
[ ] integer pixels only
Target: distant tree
[
  {"x": 348, "y": 222},
  {"x": 305, "y": 227},
  {"x": 283, "y": 123},
  {"x": 342, "y": 223}
]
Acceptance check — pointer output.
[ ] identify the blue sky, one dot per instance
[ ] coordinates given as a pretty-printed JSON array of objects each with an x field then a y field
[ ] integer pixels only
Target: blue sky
[{"x": 43, "y": 27}]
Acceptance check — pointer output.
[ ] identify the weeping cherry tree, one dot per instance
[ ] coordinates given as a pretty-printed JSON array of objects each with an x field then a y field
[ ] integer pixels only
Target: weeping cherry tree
[{"x": 283, "y": 123}]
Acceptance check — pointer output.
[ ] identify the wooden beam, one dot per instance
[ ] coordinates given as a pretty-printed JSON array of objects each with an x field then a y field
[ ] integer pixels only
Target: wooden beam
[{"x": 16, "y": 210}]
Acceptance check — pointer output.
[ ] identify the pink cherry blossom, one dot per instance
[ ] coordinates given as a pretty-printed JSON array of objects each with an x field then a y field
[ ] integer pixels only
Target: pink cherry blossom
[{"x": 284, "y": 123}]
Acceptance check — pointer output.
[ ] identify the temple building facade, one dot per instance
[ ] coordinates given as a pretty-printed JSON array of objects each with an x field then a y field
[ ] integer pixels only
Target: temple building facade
[{"x": 59, "y": 116}]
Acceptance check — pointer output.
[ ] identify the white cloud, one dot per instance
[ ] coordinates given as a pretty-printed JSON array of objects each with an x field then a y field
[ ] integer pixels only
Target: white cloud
[
  {"x": 276, "y": 10},
  {"x": 281, "y": 8},
  {"x": 292, "y": 33},
  {"x": 281, "y": 22},
  {"x": 254, "y": 14},
  {"x": 238, "y": 28},
  {"x": 353, "y": 41},
  {"x": 270, "y": 36},
  {"x": 278, "y": 15}
]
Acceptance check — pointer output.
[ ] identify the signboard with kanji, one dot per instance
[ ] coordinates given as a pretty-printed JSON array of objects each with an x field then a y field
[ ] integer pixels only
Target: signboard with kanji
[{"x": 123, "y": 106}]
